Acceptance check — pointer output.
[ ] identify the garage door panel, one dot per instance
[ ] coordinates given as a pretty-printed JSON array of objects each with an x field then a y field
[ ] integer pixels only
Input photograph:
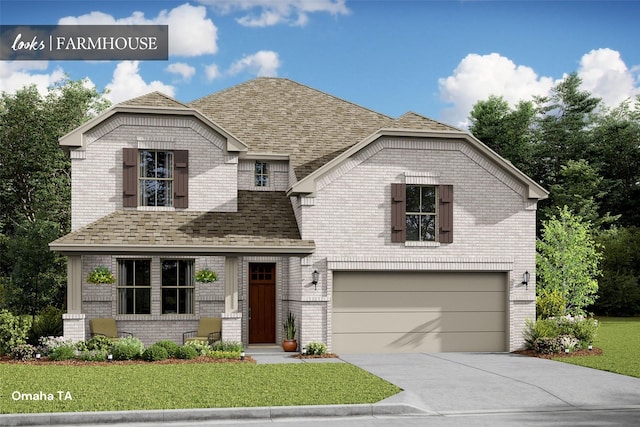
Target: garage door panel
[
  {"x": 423, "y": 322},
  {"x": 385, "y": 281},
  {"x": 380, "y": 312},
  {"x": 417, "y": 342},
  {"x": 431, "y": 301}
]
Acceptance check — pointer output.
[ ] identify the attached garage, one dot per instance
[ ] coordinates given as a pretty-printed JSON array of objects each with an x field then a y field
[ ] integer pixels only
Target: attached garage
[{"x": 404, "y": 312}]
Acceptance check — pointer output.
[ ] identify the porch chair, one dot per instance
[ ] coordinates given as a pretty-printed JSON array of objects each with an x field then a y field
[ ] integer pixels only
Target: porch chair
[
  {"x": 209, "y": 330},
  {"x": 106, "y": 327}
]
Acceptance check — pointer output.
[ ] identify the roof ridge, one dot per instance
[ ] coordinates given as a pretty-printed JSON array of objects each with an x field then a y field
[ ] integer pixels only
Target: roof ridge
[
  {"x": 428, "y": 118},
  {"x": 153, "y": 93}
]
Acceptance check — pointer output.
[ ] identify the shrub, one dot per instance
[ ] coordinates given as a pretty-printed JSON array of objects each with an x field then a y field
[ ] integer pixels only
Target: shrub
[
  {"x": 47, "y": 323},
  {"x": 546, "y": 345},
  {"x": 316, "y": 348},
  {"x": 47, "y": 344},
  {"x": 65, "y": 351},
  {"x": 543, "y": 328},
  {"x": 24, "y": 352},
  {"x": 99, "y": 343},
  {"x": 186, "y": 352},
  {"x": 232, "y": 346},
  {"x": 222, "y": 354},
  {"x": 14, "y": 330},
  {"x": 201, "y": 347},
  {"x": 550, "y": 303},
  {"x": 127, "y": 349},
  {"x": 154, "y": 353},
  {"x": 170, "y": 346},
  {"x": 93, "y": 355},
  {"x": 585, "y": 330},
  {"x": 568, "y": 342}
]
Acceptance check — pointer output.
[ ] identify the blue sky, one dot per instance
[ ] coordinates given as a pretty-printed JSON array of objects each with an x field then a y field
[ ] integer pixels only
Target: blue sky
[{"x": 436, "y": 58}]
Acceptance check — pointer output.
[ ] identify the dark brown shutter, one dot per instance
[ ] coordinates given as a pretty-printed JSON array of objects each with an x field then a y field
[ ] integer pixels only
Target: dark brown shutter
[
  {"x": 181, "y": 179},
  {"x": 398, "y": 213},
  {"x": 129, "y": 177},
  {"x": 446, "y": 213}
]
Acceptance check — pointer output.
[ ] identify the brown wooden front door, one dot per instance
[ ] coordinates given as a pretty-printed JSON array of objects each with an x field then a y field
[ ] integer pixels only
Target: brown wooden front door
[{"x": 262, "y": 303}]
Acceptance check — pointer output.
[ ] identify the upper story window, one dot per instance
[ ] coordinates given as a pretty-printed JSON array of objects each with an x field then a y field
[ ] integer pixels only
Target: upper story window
[
  {"x": 421, "y": 213},
  {"x": 156, "y": 178},
  {"x": 262, "y": 174}
]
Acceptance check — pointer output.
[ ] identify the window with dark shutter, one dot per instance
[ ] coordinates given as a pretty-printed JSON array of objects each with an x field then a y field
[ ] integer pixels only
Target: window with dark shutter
[
  {"x": 130, "y": 177},
  {"x": 446, "y": 214},
  {"x": 181, "y": 179},
  {"x": 398, "y": 213}
]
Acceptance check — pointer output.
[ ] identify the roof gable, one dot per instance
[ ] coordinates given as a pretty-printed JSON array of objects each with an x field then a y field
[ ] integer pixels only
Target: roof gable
[{"x": 154, "y": 99}]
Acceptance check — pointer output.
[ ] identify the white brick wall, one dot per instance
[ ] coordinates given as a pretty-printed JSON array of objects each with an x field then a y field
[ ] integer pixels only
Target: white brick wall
[
  {"x": 96, "y": 185},
  {"x": 492, "y": 218}
]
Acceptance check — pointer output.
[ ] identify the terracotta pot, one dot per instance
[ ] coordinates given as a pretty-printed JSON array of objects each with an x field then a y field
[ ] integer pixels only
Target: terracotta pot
[{"x": 289, "y": 345}]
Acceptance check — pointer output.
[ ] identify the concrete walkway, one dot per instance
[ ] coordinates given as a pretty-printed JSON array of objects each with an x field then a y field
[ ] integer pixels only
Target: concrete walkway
[{"x": 435, "y": 385}]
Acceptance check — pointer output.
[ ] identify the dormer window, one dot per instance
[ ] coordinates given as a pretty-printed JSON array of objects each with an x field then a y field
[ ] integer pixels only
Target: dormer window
[{"x": 262, "y": 174}]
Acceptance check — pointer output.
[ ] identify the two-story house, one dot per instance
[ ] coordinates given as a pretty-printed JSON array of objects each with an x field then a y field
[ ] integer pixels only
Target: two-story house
[{"x": 380, "y": 234}]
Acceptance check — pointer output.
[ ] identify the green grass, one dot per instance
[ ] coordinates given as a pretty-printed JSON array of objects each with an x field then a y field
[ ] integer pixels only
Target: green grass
[
  {"x": 207, "y": 385},
  {"x": 619, "y": 339}
]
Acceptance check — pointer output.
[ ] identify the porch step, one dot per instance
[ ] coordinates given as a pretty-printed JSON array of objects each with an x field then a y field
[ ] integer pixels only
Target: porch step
[{"x": 265, "y": 350}]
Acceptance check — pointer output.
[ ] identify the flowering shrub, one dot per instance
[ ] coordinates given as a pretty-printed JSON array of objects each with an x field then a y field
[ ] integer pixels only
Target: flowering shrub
[
  {"x": 201, "y": 347},
  {"x": 24, "y": 352},
  {"x": 316, "y": 348},
  {"x": 48, "y": 344},
  {"x": 567, "y": 342}
]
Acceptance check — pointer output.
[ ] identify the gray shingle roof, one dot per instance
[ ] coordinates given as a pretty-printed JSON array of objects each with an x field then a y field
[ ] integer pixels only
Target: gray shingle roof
[
  {"x": 263, "y": 219},
  {"x": 275, "y": 115},
  {"x": 153, "y": 99}
]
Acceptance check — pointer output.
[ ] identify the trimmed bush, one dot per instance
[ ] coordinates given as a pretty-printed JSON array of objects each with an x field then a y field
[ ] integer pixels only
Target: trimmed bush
[
  {"x": 186, "y": 352},
  {"x": 14, "y": 331},
  {"x": 63, "y": 352},
  {"x": 155, "y": 353},
  {"x": 316, "y": 348},
  {"x": 127, "y": 349},
  {"x": 93, "y": 355},
  {"x": 170, "y": 346},
  {"x": 24, "y": 352}
]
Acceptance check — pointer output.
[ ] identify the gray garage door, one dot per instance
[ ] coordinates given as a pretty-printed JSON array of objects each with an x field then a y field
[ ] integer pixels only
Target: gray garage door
[{"x": 403, "y": 312}]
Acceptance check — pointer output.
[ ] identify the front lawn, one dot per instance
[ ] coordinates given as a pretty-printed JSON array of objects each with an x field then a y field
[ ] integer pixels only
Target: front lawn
[
  {"x": 619, "y": 339},
  {"x": 174, "y": 386}
]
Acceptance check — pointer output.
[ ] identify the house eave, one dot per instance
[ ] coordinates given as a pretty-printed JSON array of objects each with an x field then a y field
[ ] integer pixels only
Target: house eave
[
  {"x": 75, "y": 139},
  {"x": 79, "y": 249},
  {"x": 307, "y": 185}
]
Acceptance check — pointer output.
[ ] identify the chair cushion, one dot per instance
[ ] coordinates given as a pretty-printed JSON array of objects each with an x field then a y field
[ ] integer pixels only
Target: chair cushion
[
  {"x": 208, "y": 325},
  {"x": 105, "y": 326}
]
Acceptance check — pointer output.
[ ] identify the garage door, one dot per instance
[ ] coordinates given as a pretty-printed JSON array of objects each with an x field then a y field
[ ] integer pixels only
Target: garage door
[{"x": 402, "y": 312}]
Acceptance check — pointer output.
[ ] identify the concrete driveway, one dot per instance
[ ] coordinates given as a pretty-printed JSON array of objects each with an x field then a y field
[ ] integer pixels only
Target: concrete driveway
[{"x": 457, "y": 383}]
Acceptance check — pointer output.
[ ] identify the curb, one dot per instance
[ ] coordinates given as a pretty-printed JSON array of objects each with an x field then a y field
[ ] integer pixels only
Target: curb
[{"x": 199, "y": 415}]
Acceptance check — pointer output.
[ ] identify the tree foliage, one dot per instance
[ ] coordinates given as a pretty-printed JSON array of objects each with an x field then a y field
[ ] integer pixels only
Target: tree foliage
[
  {"x": 568, "y": 260},
  {"x": 35, "y": 189}
]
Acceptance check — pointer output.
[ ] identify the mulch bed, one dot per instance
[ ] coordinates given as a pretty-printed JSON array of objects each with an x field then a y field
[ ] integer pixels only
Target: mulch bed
[
  {"x": 316, "y": 356},
  {"x": 594, "y": 352},
  {"x": 170, "y": 361}
]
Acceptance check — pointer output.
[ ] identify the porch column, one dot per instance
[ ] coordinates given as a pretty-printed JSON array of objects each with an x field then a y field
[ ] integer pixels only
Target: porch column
[
  {"x": 73, "y": 321},
  {"x": 231, "y": 318}
]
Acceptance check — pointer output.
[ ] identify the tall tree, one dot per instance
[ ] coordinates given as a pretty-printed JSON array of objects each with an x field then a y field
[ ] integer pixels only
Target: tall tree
[
  {"x": 35, "y": 187},
  {"x": 505, "y": 130},
  {"x": 568, "y": 260}
]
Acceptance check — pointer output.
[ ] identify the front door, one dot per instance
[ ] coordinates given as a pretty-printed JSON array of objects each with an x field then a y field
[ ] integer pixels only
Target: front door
[{"x": 262, "y": 303}]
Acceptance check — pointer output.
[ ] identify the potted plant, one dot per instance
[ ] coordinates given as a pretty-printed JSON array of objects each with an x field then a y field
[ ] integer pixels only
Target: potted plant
[
  {"x": 206, "y": 275},
  {"x": 289, "y": 342},
  {"x": 101, "y": 276}
]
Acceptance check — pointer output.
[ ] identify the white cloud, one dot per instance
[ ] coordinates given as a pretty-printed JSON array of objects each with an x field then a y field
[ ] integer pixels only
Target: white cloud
[
  {"x": 185, "y": 71},
  {"x": 479, "y": 76},
  {"x": 264, "y": 63},
  {"x": 14, "y": 75},
  {"x": 606, "y": 76},
  {"x": 212, "y": 72},
  {"x": 273, "y": 12},
  {"x": 127, "y": 83},
  {"x": 190, "y": 32}
]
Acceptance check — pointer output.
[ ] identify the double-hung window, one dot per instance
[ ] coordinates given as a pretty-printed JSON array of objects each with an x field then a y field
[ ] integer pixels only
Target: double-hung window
[
  {"x": 421, "y": 213},
  {"x": 262, "y": 174},
  {"x": 177, "y": 286},
  {"x": 134, "y": 286},
  {"x": 156, "y": 178}
]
